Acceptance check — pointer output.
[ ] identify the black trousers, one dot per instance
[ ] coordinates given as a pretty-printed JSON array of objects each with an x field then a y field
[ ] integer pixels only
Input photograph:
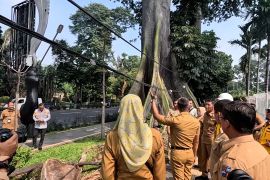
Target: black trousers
[{"x": 42, "y": 136}]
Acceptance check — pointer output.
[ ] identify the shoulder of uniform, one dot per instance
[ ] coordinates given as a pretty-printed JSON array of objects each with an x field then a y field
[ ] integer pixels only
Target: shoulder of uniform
[{"x": 233, "y": 152}]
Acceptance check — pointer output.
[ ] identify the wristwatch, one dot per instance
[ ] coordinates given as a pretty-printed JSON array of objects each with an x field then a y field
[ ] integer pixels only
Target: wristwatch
[
  {"x": 4, "y": 165},
  {"x": 9, "y": 168}
]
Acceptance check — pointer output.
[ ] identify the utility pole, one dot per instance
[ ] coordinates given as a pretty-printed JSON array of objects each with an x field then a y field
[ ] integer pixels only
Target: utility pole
[{"x": 103, "y": 95}]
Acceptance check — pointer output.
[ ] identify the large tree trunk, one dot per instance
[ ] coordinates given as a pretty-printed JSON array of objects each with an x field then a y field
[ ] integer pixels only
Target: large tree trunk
[
  {"x": 248, "y": 69},
  {"x": 27, "y": 110},
  {"x": 156, "y": 48},
  {"x": 267, "y": 69},
  {"x": 258, "y": 67}
]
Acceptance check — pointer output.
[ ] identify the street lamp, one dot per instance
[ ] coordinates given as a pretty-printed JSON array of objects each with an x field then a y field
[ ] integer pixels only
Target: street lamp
[{"x": 59, "y": 30}]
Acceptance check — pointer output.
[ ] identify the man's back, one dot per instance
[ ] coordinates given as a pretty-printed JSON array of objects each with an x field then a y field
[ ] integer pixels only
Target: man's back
[
  {"x": 183, "y": 130},
  {"x": 242, "y": 153}
]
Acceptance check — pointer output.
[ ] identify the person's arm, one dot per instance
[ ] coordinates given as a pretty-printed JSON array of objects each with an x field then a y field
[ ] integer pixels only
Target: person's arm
[
  {"x": 7, "y": 150},
  {"x": 48, "y": 116},
  {"x": 2, "y": 115},
  {"x": 159, "y": 117},
  {"x": 3, "y": 174},
  {"x": 34, "y": 116},
  {"x": 260, "y": 122},
  {"x": 159, "y": 165},
  {"x": 108, "y": 161},
  {"x": 196, "y": 142}
]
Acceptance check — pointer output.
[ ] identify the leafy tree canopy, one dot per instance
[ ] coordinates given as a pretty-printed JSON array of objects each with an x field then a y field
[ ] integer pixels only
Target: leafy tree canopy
[
  {"x": 199, "y": 64},
  {"x": 92, "y": 36}
]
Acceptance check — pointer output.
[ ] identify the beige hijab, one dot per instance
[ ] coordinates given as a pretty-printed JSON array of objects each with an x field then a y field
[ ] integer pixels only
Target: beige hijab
[{"x": 135, "y": 136}]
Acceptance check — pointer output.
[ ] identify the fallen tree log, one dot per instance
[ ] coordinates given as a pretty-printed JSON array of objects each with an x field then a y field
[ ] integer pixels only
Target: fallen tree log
[{"x": 29, "y": 169}]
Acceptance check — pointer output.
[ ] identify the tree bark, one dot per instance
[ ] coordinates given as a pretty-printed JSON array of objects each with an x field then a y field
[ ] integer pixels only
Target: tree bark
[
  {"x": 258, "y": 67},
  {"x": 27, "y": 110},
  {"x": 248, "y": 69},
  {"x": 156, "y": 47},
  {"x": 267, "y": 69},
  {"x": 123, "y": 89}
]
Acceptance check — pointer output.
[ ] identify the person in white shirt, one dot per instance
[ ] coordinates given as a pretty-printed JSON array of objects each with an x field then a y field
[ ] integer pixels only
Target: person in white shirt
[
  {"x": 40, "y": 116},
  {"x": 192, "y": 110}
]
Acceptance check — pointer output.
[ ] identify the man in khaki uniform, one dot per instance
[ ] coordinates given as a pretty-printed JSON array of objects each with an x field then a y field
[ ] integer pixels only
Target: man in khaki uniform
[
  {"x": 8, "y": 117},
  {"x": 221, "y": 137},
  {"x": 185, "y": 131},
  {"x": 241, "y": 151},
  {"x": 209, "y": 125}
]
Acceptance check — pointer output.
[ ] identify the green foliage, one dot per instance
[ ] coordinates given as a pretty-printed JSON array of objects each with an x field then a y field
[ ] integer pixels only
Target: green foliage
[
  {"x": 206, "y": 70},
  {"x": 4, "y": 99},
  {"x": 92, "y": 36},
  {"x": 125, "y": 64},
  {"x": 22, "y": 157},
  {"x": 188, "y": 10},
  {"x": 68, "y": 90},
  {"x": 94, "y": 42},
  {"x": 68, "y": 153}
]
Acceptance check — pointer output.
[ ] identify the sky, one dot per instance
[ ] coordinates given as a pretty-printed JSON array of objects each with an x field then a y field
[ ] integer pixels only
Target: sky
[{"x": 61, "y": 10}]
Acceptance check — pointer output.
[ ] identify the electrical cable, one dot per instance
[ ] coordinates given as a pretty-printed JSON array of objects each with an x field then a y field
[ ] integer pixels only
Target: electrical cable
[
  {"x": 13, "y": 25},
  {"x": 114, "y": 32}
]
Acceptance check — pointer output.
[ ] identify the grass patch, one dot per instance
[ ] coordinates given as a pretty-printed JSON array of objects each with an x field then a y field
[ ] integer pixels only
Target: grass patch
[{"x": 68, "y": 153}]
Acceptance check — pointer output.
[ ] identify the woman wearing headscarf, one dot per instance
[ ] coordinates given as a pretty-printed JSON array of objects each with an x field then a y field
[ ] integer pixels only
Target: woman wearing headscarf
[{"x": 132, "y": 149}]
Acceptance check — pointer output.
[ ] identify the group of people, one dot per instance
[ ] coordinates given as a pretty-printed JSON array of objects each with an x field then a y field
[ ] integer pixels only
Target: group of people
[
  {"x": 41, "y": 116},
  {"x": 220, "y": 134}
]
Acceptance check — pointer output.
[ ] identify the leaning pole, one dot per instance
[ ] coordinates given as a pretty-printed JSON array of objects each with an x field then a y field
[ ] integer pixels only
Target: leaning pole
[
  {"x": 31, "y": 79},
  {"x": 158, "y": 65}
]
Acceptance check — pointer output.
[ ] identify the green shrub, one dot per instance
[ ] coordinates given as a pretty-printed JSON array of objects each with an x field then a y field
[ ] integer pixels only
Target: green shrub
[{"x": 22, "y": 156}]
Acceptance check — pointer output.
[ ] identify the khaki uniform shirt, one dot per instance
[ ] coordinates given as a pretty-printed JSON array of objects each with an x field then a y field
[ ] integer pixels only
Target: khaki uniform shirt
[
  {"x": 114, "y": 166},
  {"x": 243, "y": 153},
  {"x": 216, "y": 150},
  {"x": 209, "y": 126},
  {"x": 183, "y": 129},
  {"x": 8, "y": 118}
]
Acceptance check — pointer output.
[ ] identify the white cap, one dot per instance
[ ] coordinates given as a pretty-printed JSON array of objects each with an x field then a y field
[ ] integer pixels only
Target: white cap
[{"x": 224, "y": 96}]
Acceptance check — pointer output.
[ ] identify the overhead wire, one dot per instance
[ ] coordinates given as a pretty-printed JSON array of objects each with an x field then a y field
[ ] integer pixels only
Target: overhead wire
[
  {"x": 14, "y": 25},
  {"x": 115, "y": 33}
]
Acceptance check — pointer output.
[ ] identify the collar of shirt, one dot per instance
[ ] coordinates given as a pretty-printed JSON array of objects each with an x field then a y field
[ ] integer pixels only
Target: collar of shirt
[
  {"x": 44, "y": 110},
  {"x": 238, "y": 140}
]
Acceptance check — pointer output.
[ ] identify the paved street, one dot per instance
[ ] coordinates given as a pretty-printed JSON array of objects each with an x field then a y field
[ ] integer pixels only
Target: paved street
[{"x": 63, "y": 137}]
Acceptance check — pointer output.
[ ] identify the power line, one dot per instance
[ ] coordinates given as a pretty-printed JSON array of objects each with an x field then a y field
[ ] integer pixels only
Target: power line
[
  {"x": 13, "y": 25},
  {"x": 115, "y": 33}
]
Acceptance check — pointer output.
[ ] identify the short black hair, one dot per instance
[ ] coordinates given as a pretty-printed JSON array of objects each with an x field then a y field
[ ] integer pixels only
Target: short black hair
[
  {"x": 183, "y": 103},
  {"x": 219, "y": 105},
  {"x": 208, "y": 100},
  {"x": 40, "y": 104},
  {"x": 241, "y": 115}
]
